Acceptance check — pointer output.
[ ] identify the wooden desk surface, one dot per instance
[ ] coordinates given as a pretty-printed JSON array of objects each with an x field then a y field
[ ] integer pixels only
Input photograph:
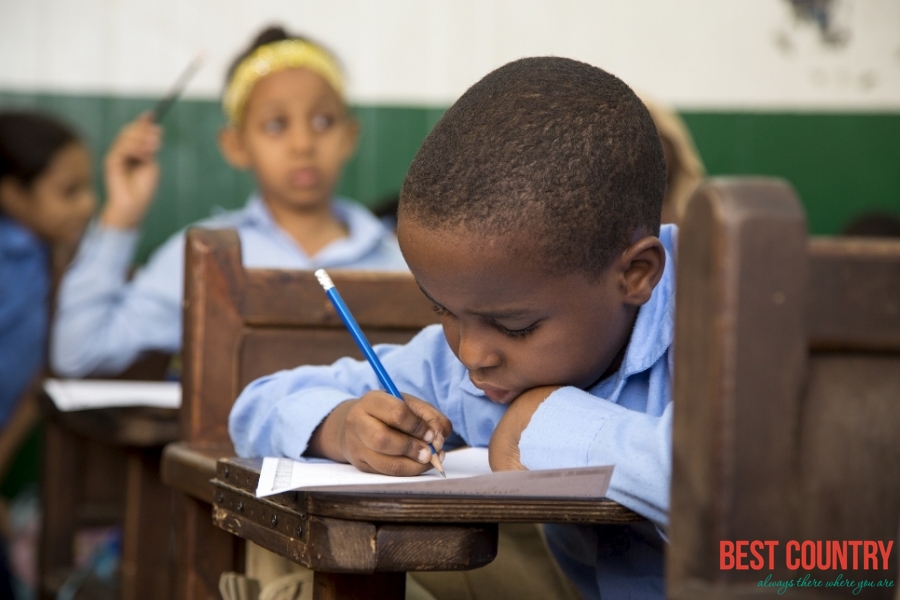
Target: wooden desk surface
[
  {"x": 237, "y": 478},
  {"x": 135, "y": 426},
  {"x": 360, "y": 542}
]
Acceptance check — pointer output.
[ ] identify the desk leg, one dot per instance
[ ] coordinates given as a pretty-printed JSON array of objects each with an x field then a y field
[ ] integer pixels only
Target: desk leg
[
  {"x": 202, "y": 551},
  {"x": 347, "y": 586},
  {"x": 147, "y": 548},
  {"x": 61, "y": 468}
]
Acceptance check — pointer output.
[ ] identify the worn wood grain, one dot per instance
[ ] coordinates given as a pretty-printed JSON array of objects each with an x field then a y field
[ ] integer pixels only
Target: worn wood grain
[
  {"x": 147, "y": 564},
  {"x": 266, "y": 350},
  {"x": 854, "y": 294},
  {"x": 202, "y": 551},
  {"x": 188, "y": 468},
  {"x": 739, "y": 359},
  {"x": 787, "y": 375},
  {"x": 390, "y": 300},
  {"x": 434, "y": 546}
]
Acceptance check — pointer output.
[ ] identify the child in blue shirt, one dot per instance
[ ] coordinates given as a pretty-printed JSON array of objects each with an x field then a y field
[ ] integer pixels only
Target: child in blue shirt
[
  {"x": 288, "y": 123},
  {"x": 46, "y": 199},
  {"x": 530, "y": 217}
]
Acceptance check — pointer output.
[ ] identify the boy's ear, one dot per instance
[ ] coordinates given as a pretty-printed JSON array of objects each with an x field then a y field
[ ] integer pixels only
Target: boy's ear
[
  {"x": 642, "y": 267},
  {"x": 232, "y": 147}
]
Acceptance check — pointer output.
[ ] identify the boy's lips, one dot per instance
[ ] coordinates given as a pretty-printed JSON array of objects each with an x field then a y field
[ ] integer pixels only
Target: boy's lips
[{"x": 498, "y": 395}]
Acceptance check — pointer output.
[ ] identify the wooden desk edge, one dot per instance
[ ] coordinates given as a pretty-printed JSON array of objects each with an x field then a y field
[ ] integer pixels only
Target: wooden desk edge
[
  {"x": 189, "y": 467},
  {"x": 132, "y": 426},
  {"x": 239, "y": 477}
]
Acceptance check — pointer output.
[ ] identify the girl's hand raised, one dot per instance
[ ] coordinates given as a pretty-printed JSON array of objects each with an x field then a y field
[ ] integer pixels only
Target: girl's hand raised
[{"x": 131, "y": 173}]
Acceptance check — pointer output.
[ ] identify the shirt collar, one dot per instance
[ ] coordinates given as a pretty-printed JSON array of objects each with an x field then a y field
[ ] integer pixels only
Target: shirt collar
[{"x": 365, "y": 231}]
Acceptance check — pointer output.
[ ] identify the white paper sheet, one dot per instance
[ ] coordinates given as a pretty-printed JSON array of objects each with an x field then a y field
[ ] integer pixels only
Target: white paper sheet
[
  {"x": 81, "y": 394},
  {"x": 468, "y": 473}
]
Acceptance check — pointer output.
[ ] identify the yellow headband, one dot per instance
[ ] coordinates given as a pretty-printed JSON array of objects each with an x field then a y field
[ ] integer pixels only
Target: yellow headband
[{"x": 271, "y": 58}]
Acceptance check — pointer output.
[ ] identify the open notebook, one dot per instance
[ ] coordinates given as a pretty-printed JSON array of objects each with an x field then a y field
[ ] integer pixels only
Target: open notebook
[{"x": 468, "y": 473}]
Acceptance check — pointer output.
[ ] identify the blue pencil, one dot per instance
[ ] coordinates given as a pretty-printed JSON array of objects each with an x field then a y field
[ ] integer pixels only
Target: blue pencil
[{"x": 360, "y": 338}]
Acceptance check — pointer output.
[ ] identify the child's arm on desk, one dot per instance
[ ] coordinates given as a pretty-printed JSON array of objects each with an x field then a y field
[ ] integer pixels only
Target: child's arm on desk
[
  {"x": 279, "y": 415},
  {"x": 503, "y": 451},
  {"x": 556, "y": 427}
]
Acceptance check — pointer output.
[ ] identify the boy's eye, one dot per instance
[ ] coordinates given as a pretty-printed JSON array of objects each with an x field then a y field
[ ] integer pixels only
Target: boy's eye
[
  {"x": 276, "y": 125},
  {"x": 440, "y": 310},
  {"x": 515, "y": 333},
  {"x": 322, "y": 122}
]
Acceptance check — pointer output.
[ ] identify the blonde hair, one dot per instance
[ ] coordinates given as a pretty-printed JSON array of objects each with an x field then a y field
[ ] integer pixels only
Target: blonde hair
[
  {"x": 686, "y": 169},
  {"x": 271, "y": 58}
]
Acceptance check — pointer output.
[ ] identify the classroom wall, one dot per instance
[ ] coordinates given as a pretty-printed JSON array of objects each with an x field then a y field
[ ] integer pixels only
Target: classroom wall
[{"x": 760, "y": 89}]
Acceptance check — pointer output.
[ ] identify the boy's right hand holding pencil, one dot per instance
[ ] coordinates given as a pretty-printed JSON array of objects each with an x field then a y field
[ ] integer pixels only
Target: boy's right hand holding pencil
[
  {"x": 378, "y": 434},
  {"x": 131, "y": 173}
]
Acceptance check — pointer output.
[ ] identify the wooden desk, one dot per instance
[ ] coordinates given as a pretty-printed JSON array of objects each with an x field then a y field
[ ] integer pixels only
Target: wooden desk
[
  {"x": 101, "y": 468},
  {"x": 362, "y": 545}
]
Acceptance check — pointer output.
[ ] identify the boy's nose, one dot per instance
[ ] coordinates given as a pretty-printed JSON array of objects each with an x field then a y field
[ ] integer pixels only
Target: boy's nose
[{"x": 475, "y": 352}]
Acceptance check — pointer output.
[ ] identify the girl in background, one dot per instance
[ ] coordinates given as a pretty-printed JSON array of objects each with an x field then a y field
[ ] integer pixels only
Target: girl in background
[
  {"x": 289, "y": 124},
  {"x": 46, "y": 199}
]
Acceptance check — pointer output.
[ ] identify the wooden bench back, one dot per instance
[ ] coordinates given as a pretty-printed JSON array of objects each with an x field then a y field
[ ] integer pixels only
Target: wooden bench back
[
  {"x": 786, "y": 390},
  {"x": 241, "y": 324}
]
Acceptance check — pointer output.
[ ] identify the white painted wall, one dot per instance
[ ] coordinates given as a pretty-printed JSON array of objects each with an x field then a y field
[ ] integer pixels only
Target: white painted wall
[{"x": 696, "y": 54}]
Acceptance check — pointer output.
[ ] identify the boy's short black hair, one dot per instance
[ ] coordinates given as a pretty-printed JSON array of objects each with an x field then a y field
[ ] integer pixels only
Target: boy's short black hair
[{"x": 558, "y": 153}]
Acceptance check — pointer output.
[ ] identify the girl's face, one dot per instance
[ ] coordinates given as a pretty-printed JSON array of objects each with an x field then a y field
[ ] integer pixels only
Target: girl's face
[
  {"x": 296, "y": 136},
  {"x": 59, "y": 202}
]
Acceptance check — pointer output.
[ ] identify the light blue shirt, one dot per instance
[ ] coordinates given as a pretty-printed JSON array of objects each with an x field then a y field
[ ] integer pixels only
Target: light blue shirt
[
  {"x": 103, "y": 322},
  {"x": 624, "y": 420},
  {"x": 24, "y": 311}
]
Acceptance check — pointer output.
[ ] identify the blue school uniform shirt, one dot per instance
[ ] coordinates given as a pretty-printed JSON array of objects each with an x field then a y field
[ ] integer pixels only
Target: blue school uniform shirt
[
  {"x": 24, "y": 311},
  {"x": 624, "y": 420},
  {"x": 103, "y": 322}
]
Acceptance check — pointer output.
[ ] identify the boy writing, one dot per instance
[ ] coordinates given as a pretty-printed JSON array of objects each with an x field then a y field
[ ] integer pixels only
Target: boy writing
[{"x": 530, "y": 217}]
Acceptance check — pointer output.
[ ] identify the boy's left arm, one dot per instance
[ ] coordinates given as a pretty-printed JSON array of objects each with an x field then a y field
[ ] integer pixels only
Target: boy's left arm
[
  {"x": 503, "y": 451},
  {"x": 553, "y": 427}
]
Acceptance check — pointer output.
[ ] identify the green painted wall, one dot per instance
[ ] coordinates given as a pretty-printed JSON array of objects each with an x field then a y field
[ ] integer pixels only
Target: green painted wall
[{"x": 840, "y": 164}]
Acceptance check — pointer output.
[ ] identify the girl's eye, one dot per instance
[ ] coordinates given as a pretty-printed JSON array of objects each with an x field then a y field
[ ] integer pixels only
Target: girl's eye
[
  {"x": 72, "y": 191},
  {"x": 515, "y": 333},
  {"x": 440, "y": 310},
  {"x": 321, "y": 123},
  {"x": 275, "y": 125}
]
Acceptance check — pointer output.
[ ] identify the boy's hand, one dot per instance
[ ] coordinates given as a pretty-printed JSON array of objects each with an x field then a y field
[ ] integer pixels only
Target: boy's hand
[
  {"x": 503, "y": 451},
  {"x": 380, "y": 434},
  {"x": 131, "y": 173}
]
